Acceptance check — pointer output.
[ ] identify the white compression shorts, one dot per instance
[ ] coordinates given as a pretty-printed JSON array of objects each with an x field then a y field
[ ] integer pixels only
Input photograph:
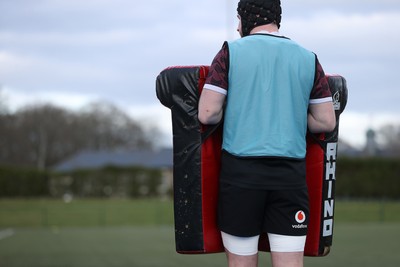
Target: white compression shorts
[
  {"x": 243, "y": 246},
  {"x": 247, "y": 246},
  {"x": 286, "y": 243}
]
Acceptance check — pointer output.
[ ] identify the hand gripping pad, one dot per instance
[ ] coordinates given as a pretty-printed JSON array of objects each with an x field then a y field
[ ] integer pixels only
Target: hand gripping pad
[{"x": 197, "y": 152}]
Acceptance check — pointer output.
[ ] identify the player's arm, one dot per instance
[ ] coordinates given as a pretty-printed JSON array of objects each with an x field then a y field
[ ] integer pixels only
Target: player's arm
[
  {"x": 212, "y": 98},
  {"x": 321, "y": 117},
  {"x": 321, "y": 114},
  {"x": 211, "y": 106}
]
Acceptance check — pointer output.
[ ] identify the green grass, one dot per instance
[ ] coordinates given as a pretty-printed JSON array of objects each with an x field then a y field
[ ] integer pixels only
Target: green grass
[
  {"x": 365, "y": 245},
  {"x": 84, "y": 213},
  {"x": 120, "y": 233},
  {"x": 367, "y": 211},
  {"x": 119, "y": 212}
]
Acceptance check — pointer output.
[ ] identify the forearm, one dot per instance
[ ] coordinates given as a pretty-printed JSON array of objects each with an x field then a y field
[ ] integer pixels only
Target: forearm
[
  {"x": 321, "y": 118},
  {"x": 316, "y": 126},
  {"x": 211, "y": 107},
  {"x": 209, "y": 117}
]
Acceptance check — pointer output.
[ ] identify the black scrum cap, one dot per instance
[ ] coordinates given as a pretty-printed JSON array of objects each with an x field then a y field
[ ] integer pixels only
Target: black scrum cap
[{"x": 254, "y": 13}]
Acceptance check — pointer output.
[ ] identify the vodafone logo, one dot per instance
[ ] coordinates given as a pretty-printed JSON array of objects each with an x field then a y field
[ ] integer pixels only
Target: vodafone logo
[{"x": 300, "y": 216}]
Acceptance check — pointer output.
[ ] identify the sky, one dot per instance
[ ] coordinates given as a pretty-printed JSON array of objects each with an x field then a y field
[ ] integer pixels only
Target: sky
[{"x": 74, "y": 52}]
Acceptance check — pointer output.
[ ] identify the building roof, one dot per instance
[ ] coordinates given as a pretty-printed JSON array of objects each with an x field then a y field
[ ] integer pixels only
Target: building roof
[{"x": 162, "y": 158}]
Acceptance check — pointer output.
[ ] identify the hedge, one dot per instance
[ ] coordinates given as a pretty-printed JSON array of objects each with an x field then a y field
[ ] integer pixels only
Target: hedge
[
  {"x": 368, "y": 178},
  {"x": 105, "y": 182},
  {"x": 355, "y": 178},
  {"x": 21, "y": 182}
]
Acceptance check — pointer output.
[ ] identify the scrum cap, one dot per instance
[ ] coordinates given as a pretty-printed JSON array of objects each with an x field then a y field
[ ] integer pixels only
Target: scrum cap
[{"x": 254, "y": 13}]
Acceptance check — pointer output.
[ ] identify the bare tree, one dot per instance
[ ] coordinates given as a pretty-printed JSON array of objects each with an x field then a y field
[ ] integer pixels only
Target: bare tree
[
  {"x": 3, "y": 102},
  {"x": 37, "y": 134},
  {"x": 108, "y": 127},
  {"x": 391, "y": 139},
  {"x": 43, "y": 135}
]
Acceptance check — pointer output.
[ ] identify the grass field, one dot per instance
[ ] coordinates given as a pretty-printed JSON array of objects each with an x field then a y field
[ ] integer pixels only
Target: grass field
[{"x": 122, "y": 233}]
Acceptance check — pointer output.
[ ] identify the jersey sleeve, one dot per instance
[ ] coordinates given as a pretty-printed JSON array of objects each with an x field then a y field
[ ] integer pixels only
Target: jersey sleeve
[
  {"x": 217, "y": 79},
  {"x": 320, "y": 92}
]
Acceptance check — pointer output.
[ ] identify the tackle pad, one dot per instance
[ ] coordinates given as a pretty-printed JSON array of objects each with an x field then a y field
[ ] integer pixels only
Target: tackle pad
[{"x": 197, "y": 156}]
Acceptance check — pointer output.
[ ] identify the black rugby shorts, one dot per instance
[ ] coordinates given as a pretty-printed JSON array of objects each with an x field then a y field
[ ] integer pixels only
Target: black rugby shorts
[{"x": 249, "y": 212}]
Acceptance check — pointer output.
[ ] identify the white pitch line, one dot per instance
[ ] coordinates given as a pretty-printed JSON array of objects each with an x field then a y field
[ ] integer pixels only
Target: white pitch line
[{"x": 6, "y": 233}]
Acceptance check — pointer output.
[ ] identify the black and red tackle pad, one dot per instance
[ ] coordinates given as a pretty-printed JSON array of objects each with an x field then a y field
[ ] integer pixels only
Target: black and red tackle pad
[{"x": 197, "y": 153}]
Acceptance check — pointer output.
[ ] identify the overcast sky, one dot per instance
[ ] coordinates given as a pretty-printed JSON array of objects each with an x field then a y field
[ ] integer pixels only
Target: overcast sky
[{"x": 72, "y": 52}]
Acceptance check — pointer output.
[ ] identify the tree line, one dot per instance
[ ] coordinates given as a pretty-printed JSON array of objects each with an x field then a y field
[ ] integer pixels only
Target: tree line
[{"x": 42, "y": 135}]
